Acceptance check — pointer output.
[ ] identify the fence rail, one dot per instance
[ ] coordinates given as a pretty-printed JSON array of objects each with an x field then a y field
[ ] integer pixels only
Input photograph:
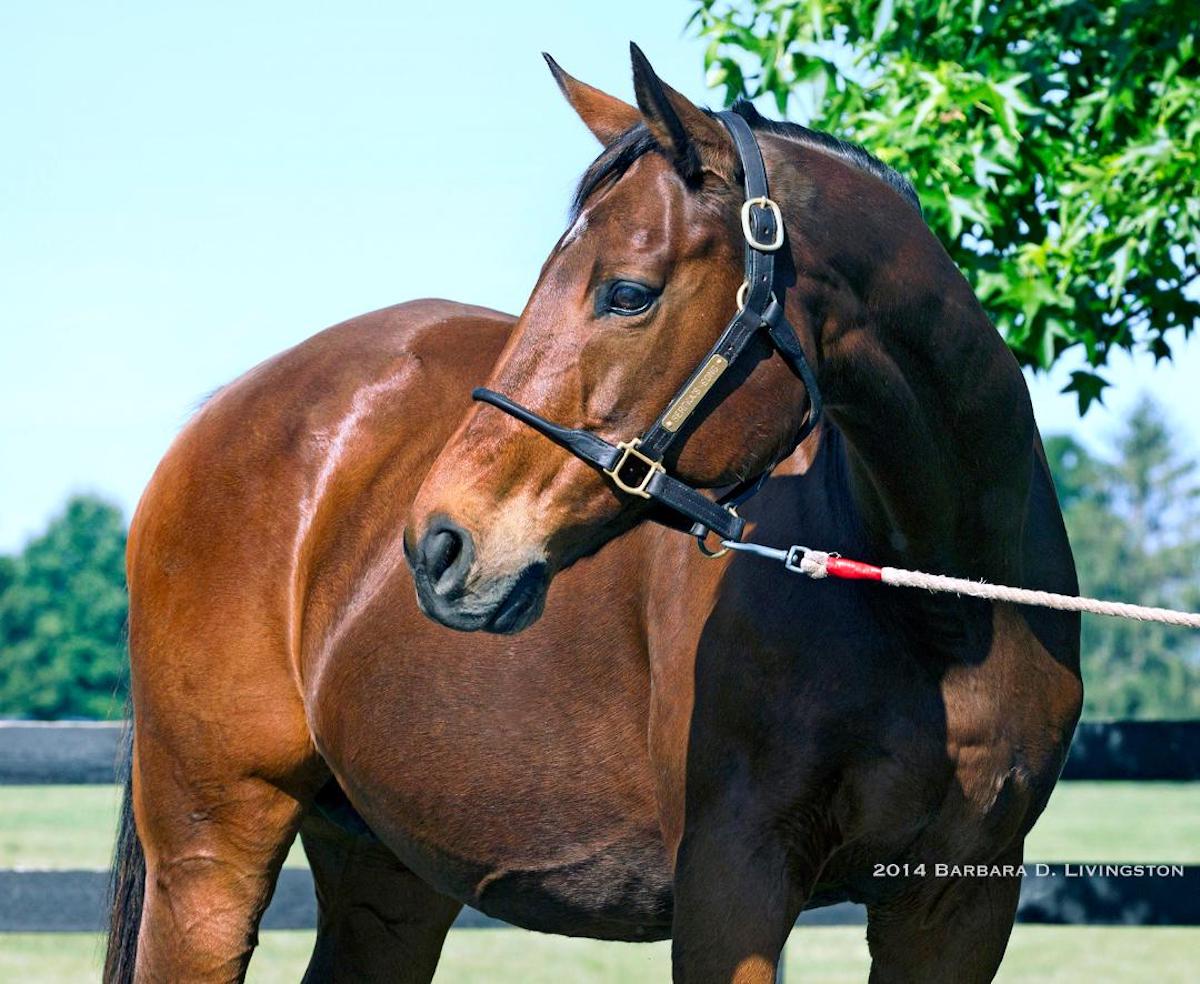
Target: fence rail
[{"x": 35, "y": 753}]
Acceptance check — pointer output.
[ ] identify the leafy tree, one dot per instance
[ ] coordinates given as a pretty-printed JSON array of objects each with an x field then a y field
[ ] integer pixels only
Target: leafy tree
[
  {"x": 62, "y": 617},
  {"x": 1055, "y": 145},
  {"x": 1135, "y": 528}
]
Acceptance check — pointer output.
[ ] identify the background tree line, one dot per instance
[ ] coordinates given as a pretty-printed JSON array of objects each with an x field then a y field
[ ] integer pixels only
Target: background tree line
[{"x": 1133, "y": 516}]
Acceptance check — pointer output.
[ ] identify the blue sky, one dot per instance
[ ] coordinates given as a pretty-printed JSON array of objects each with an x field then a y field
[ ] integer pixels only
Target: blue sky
[{"x": 187, "y": 189}]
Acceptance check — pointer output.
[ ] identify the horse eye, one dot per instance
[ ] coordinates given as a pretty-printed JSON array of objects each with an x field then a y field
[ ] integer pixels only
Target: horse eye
[{"x": 626, "y": 297}]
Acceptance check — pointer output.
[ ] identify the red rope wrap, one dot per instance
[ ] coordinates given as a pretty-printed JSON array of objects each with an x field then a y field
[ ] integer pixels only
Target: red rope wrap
[{"x": 853, "y": 570}]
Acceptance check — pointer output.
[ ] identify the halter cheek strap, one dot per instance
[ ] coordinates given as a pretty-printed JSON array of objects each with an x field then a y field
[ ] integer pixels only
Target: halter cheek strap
[
  {"x": 635, "y": 466},
  {"x": 630, "y": 470}
]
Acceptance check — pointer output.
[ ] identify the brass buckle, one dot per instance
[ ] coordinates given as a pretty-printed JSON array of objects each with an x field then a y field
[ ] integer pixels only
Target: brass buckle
[
  {"x": 762, "y": 202},
  {"x": 637, "y": 485}
]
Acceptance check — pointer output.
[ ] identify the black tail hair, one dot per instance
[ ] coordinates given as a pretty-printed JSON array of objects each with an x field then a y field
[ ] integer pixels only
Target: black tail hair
[{"x": 127, "y": 880}]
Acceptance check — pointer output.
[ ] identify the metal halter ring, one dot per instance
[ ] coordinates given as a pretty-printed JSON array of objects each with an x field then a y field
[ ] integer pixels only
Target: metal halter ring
[
  {"x": 713, "y": 554},
  {"x": 741, "y": 294},
  {"x": 762, "y": 202}
]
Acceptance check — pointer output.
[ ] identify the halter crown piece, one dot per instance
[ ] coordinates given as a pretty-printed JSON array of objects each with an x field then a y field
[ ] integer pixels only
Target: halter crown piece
[{"x": 636, "y": 466}]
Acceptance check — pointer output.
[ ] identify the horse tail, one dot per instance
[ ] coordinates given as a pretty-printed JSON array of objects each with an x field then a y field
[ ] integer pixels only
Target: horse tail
[{"x": 127, "y": 880}]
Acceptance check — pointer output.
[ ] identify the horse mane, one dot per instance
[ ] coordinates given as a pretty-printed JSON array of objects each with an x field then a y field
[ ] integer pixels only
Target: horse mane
[
  {"x": 635, "y": 142},
  {"x": 852, "y": 153}
]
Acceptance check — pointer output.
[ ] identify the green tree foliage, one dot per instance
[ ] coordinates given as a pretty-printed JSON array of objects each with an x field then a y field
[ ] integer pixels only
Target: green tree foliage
[
  {"x": 1055, "y": 145},
  {"x": 62, "y": 618},
  {"x": 1135, "y": 528}
]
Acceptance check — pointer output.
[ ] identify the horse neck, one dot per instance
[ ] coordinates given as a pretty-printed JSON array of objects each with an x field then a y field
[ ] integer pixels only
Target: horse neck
[{"x": 936, "y": 416}]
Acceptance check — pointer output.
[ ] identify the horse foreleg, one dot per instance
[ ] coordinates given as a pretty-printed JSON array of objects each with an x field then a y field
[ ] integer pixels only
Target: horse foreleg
[
  {"x": 378, "y": 921},
  {"x": 736, "y": 899}
]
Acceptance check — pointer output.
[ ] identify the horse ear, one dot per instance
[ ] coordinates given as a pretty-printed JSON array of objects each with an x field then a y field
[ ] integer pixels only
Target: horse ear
[
  {"x": 606, "y": 116},
  {"x": 692, "y": 139}
]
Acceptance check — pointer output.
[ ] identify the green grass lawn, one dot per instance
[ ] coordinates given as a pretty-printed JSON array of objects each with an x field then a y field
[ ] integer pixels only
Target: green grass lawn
[
  {"x": 1061, "y": 955},
  {"x": 66, "y": 827},
  {"x": 71, "y": 827}
]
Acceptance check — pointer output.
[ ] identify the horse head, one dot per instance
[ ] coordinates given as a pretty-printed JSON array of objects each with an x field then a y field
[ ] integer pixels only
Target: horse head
[{"x": 630, "y": 300}]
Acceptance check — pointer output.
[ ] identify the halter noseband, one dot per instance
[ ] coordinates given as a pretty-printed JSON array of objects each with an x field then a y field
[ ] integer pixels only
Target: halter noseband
[{"x": 635, "y": 466}]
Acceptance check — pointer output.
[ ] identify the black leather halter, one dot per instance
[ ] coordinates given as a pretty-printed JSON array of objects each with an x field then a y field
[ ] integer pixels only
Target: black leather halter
[{"x": 635, "y": 466}]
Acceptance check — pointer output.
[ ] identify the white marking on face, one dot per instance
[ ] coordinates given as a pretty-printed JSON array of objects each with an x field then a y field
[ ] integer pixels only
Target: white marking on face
[{"x": 577, "y": 229}]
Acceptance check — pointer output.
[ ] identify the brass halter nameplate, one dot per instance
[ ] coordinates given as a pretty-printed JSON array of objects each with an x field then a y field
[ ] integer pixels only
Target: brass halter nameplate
[{"x": 690, "y": 398}]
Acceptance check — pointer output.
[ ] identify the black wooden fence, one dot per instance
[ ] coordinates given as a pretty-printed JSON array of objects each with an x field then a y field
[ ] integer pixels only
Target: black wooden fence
[{"x": 1075, "y": 894}]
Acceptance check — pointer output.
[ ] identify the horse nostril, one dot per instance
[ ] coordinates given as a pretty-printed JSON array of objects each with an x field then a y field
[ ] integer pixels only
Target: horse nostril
[
  {"x": 446, "y": 553},
  {"x": 443, "y": 548}
]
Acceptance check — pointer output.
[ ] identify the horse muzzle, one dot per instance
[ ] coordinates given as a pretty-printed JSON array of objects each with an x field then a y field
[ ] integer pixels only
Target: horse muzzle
[{"x": 454, "y": 589}]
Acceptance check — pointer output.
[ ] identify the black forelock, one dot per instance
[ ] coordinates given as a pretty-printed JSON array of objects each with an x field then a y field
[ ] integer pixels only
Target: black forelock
[
  {"x": 617, "y": 158},
  {"x": 637, "y": 141}
]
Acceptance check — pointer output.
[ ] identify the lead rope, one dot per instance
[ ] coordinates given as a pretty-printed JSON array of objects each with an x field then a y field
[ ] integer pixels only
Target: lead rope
[{"x": 818, "y": 564}]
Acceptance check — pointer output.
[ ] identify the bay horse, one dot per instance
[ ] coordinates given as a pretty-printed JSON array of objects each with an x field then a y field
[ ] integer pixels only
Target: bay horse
[{"x": 642, "y": 742}]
